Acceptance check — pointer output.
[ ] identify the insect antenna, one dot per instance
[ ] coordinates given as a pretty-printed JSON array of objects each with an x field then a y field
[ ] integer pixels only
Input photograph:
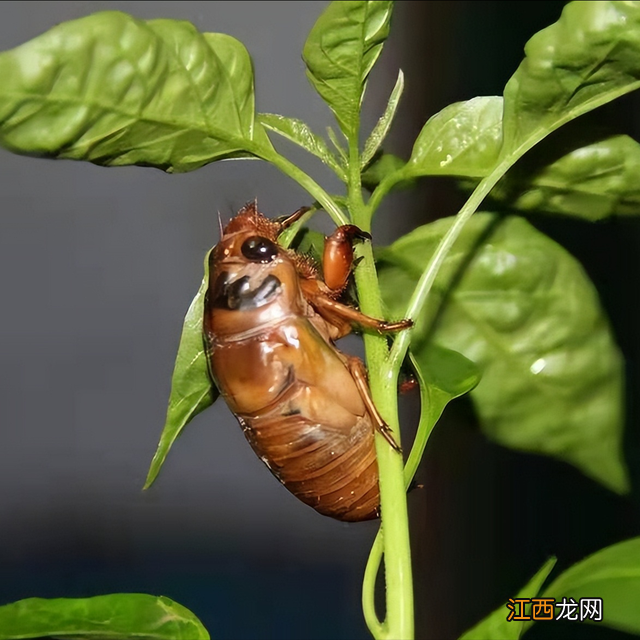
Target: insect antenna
[{"x": 220, "y": 224}]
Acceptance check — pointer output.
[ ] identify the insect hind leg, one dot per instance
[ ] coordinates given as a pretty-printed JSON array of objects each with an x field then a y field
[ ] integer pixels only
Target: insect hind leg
[{"x": 359, "y": 374}]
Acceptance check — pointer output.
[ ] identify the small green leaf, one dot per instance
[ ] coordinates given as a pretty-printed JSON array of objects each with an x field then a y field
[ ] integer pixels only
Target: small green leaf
[
  {"x": 525, "y": 312},
  {"x": 612, "y": 574},
  {"x": 589, "y": 57},
  {"x": 112, "y": 617},
  {"x": 495, "y": 626},
  {"x": 341, "y": 50},
  {"x": 381, "y": 129},
  {"x": 383, "y": 166},
  {"x": 299, "y": 132},
  {"x": 593, "y": 182},
  {"x": 192, "y": 389},
  {"x": 443, "y": 375},
  {"x": 463, "y": 139},
  {"x": 115, "y": 90}
]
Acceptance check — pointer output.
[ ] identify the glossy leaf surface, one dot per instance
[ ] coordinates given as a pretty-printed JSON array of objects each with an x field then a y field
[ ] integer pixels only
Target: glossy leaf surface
[
  {"x": 112, "y": 617},
  {"x": 115, "y": 90},
  {"x": 463, "y": 139},
  {"x": 524, "y": 311},
  {"x": 592, "y": 182},
  {"x": 341, "y": 50},
  {"x": 589, "y": 57}
]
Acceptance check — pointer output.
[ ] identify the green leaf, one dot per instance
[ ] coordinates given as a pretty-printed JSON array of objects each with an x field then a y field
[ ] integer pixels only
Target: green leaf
[
  {"x": 588, "y": 58},
  {"x": 593, "y": 182},
  {"x": 115, "y": 90},
  {"x": 341, "y": 50},
  {"x": 111, "y": 617},
  {"x": 569, "y": 175},
  {"x": 381, "y": 129},
  {"x": 299, "y": 133},
  {"x": 443, "y": 375},
  {"x": 495, "y": 626},
  {"x": 612, "y": 574},
  {"x": 519, "y": 306},
  {"x": 192, "y": 389},
  {"x": 463, "y": 139}
]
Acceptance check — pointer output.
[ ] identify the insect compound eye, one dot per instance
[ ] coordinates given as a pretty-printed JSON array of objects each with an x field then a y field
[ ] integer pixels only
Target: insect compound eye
[{"x": 259, "y": 249}]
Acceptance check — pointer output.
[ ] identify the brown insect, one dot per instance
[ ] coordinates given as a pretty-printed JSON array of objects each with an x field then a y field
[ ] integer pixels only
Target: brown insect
[{"x": 304, "y": 406}]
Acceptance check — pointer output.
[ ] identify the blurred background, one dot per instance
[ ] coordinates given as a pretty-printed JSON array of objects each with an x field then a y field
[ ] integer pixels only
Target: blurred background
[{"x": 97, "y": 268}]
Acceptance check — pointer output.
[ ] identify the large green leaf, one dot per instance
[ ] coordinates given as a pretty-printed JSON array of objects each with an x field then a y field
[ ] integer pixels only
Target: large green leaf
[
  {"x": 589, "y": 57},
  {"x": 112, "y": 617},
  {"x": 579, "y": 172},
  {"x": 341, "y": 50},
  {"x": 496, "y": 626},
  {"x": 525, "y": 312},
  {"x": 115, "y": 90},
  {"x": 612, "y": 574},
  {"x": 192, "y": 389},
  {"x": 594, "y": 181}
]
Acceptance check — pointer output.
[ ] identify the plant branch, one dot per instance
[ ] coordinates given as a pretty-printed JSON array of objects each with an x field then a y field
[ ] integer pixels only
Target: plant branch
[{"x": 379, "y": 193}]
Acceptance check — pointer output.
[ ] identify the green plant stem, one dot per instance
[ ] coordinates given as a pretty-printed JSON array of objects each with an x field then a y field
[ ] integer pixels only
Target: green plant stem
[
  {"x": 384, "y": 384},
  {"x": 375, "y": 556},
  {"x": 305, "y": 181},
  {"x": 387, "y": 183},
  {"x": 398, "y": 624},
  {"x": 374, "y": 625}
]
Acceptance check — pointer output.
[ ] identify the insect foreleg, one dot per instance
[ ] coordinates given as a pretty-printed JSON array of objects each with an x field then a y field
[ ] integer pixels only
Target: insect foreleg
[
  {"x": 337, "y": 258},
  {"x": 359, "y": 374},
  {"x": 287, "y": 221}
]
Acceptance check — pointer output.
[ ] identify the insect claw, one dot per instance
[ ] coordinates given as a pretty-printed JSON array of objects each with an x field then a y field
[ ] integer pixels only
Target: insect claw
[{"x": 386, "y": 432}]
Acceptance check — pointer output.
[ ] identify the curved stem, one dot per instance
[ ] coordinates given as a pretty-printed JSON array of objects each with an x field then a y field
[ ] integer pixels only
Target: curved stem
[
  {"x": 374, "y": 625},
  {"x": 386, "y": 184}
]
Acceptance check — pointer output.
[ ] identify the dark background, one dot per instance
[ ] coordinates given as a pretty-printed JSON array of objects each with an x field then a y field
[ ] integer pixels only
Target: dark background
[{"x": 97, "y": 268}]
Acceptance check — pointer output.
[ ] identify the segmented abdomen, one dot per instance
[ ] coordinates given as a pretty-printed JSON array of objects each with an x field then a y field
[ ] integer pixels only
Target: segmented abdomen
[{"x": 334, "y": 472}]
